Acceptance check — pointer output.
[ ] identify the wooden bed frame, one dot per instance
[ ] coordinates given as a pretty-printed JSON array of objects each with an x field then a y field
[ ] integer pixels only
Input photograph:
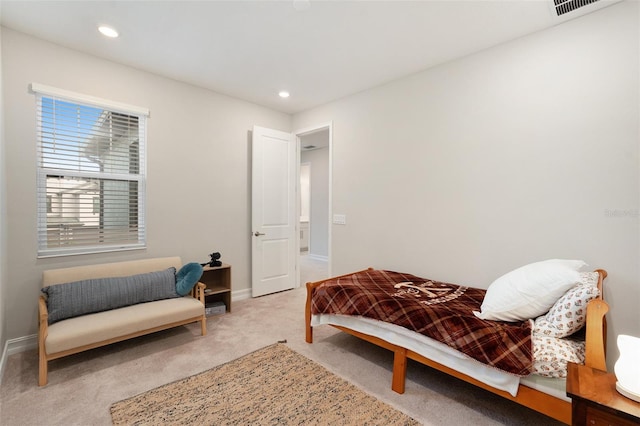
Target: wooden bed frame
[{"x": 595, "y": 340}]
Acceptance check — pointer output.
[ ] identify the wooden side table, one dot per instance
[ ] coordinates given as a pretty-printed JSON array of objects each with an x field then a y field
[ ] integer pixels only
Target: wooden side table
[
  {"x": 595, "y": 401},
  {"x": 218, "y": 282}
]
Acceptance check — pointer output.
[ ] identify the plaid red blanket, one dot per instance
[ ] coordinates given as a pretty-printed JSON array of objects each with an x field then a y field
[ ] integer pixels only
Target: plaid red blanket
[{"x": 438, "y": 310}]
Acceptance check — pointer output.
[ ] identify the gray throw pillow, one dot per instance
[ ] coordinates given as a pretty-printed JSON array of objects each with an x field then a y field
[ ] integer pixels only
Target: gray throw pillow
[{"x": 102, "y": 294}]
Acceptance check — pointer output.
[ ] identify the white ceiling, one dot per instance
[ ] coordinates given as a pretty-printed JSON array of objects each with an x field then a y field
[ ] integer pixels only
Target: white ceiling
[
  {"x": 253, "y": 49},
  {"x": 315, "y": 140}
]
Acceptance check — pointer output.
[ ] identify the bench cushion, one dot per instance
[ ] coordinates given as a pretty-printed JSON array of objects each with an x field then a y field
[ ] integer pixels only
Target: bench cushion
[
  {"x": 101, "y": 294},
  {"x": 99, "y": 327}
]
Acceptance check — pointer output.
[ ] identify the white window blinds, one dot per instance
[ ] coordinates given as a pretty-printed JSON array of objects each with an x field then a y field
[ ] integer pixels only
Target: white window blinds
[{"x": 91, "y": 175}]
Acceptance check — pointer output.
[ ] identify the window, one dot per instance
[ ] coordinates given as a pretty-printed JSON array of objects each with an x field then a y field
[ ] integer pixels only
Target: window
[{"x": 91, "y": 174}]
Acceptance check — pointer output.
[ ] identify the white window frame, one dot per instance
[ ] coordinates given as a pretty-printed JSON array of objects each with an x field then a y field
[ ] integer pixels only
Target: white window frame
[{"x": 67, "y": 96}]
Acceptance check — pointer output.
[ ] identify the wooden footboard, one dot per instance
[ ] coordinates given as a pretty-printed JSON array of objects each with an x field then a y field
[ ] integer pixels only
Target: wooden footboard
[
  {"x": 595, "y": 342},
  {"x": 307, "y": 308}
]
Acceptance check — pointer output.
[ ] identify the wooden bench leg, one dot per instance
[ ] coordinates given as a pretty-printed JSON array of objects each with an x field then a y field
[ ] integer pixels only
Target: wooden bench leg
[
  {"x": 42, "y": 369},
  {"x": 203, "y": 325},
  {"x": 399, "y": 370}
]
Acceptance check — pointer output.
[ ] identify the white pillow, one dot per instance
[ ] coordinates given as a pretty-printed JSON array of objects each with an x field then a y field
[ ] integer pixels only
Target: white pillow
[{"x": 529, "y": 291}]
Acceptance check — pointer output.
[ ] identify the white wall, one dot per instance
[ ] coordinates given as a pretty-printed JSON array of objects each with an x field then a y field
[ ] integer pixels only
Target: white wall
[
  {"x": 3, "y": 225},
  {"x": 522, "y": 152},
  {"x": 198, "y": 183},
  {"x": 319, "y": 234}
]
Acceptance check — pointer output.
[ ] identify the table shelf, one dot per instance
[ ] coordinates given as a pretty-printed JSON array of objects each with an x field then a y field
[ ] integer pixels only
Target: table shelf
[{"x": 218, "y": 282}]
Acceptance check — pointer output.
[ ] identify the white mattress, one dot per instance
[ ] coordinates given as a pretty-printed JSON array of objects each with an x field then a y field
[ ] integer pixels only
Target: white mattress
[{"x": 443, "y": 354}]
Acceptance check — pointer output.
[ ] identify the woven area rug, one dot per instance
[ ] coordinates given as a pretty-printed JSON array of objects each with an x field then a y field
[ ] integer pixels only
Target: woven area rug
[{"x": 274, "y": 385}]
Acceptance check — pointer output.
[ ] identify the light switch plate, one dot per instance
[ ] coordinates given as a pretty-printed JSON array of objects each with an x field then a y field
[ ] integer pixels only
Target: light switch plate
[{"x": 339, "y": 219}]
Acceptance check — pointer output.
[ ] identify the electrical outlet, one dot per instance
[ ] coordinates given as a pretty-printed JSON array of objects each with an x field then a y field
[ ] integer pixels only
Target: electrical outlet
[{"x": 339, "y": 219}]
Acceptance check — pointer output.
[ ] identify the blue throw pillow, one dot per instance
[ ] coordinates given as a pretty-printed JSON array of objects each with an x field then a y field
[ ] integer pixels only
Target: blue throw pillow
[{"x": 187, "y": 277}]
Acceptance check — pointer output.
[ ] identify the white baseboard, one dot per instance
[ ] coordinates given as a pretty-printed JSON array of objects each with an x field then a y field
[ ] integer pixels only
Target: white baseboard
[
  {"x": 243, "y": 294},
  {"x": 22, "y": 344},
  {"x": 318, "y": 257},
  {"x": 3, "y": 360},
  {"x": 14, "y": 346}
]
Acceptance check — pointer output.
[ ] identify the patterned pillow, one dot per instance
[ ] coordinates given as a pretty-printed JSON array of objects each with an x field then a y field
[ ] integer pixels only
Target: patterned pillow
[
  {"x": 550, "y": 355},
  {"x": 568, "y": 314}
]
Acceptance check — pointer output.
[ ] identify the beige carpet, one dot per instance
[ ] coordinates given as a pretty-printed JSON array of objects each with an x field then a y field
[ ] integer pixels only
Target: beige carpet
[{"x": 274, "y": 385}]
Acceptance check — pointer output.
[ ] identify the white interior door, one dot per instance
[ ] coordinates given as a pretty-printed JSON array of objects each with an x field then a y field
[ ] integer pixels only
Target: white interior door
[{"x": 274, "y": 174}]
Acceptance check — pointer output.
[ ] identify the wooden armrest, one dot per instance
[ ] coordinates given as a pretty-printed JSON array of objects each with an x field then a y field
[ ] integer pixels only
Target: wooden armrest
[
  {"x": 199, "y": 290},
  {"x": 43, "y": 313},
  {"x": 43, "y": 323},
  {"x": 595, "y": 339}
]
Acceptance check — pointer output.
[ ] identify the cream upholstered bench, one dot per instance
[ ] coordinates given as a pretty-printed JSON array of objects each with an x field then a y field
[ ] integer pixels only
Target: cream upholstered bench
[{"x": 60, "y": 336}]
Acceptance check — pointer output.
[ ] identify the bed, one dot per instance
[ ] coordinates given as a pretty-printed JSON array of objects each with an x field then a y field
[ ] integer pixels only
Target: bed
[{"x": 383, "y": 308}]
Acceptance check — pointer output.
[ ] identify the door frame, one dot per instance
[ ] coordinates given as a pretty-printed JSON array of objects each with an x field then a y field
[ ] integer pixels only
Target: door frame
[{"x": 298, "y": 133}]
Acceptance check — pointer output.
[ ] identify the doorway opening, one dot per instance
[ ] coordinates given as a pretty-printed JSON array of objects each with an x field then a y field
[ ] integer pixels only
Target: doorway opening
[{"x": 314, "y": 203}]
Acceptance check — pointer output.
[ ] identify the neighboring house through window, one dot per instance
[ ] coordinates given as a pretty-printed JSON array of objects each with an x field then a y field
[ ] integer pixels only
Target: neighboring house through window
[{"x": 91, "y": 174}]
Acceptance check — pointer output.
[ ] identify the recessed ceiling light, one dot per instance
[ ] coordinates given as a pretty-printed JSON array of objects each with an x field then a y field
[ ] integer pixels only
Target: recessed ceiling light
[
  {"x": 283, "y": 94},
  {"x": 107, "y": 31}
]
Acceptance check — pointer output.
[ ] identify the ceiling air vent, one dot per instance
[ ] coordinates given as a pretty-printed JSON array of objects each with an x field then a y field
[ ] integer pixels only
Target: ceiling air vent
[
  {"x": 308, "y": 147},
  {"x": 566, "y": 6}
]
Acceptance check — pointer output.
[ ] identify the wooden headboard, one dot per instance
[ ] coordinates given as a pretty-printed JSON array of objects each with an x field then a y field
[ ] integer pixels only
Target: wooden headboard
[{"x": 596, "y": 328}]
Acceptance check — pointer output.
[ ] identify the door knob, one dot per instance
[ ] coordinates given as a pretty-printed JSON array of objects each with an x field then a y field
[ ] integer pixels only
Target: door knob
[{"x": 257, "y": 234}]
